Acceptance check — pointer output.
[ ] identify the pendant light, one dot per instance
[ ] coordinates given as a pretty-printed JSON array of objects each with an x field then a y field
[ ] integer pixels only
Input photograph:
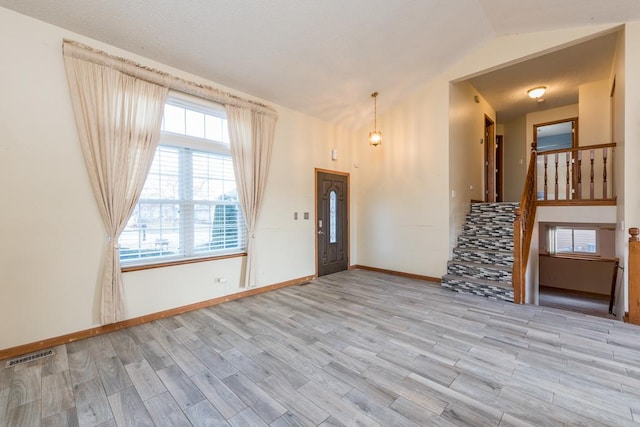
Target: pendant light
[{"x": 375, "y": 136}]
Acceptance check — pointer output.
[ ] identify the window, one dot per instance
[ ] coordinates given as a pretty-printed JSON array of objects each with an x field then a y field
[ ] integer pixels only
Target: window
[
  {"x": 333, "y": 220},
  {"x": 573, "y": 240},
  {"x": 189, "y": 206}
]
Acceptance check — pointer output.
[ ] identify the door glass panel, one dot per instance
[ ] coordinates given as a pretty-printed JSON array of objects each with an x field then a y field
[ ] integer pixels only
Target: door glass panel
[{"x": 333, "y": 201}]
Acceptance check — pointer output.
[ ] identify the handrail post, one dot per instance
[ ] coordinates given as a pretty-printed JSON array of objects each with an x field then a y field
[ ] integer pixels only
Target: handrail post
[
  {"x": 634, "y": 276},
  {"x": 516, "y": 274}
]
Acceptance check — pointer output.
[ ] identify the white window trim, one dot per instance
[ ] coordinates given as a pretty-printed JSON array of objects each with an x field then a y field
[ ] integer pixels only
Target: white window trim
[{"x": 551, "y": 240}]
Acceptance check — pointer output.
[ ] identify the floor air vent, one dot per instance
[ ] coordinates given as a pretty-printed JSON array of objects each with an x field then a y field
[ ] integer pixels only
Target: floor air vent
[{"x": 30, "y": 357}]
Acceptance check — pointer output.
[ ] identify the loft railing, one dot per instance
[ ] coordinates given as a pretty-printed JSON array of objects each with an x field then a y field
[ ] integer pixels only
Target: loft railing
[
  {"x": 523, "y": 223},
  {"x": 581, "y": 175}
]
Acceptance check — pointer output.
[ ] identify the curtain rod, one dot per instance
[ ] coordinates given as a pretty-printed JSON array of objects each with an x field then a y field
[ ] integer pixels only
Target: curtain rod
[{"x": 78, "y": 50}]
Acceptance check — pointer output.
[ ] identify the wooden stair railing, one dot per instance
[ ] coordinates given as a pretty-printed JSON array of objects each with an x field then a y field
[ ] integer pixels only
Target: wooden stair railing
[
  {"x": 523, "y": 224},
  {"x": 634, "y": 276},
  {"x": 564, "y": 178}
]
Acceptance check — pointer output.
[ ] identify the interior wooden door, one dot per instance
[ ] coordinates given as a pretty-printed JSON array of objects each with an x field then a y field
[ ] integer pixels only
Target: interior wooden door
[
  {"x": 332, "y": 228},
  {"x": 489, "y": 160},
  {"x": 499, "y": 168}
]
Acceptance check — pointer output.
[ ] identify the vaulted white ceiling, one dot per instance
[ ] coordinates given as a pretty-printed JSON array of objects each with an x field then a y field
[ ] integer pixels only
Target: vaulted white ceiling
[{"x": 321, "y": 57}]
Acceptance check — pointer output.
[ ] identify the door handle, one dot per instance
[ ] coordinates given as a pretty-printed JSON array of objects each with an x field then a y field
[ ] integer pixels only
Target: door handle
[{"x": 320, "y": 232}]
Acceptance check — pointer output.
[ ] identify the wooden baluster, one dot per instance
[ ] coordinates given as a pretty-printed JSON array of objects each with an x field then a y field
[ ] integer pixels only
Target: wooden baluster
[
  {"x": 604, "y": 173},
  {"x": 634, "y": 276},
  {"x": 591, "y": 192},
  {"x": 568, "y": 194},
  {"x": 556, "y": 183},
  {"x": 545, "y": 177},
  {"x": 579, "y": 173}
]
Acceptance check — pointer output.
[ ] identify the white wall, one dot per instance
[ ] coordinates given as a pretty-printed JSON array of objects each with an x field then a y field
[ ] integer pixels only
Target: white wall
[{"x": 52, "y": 235}]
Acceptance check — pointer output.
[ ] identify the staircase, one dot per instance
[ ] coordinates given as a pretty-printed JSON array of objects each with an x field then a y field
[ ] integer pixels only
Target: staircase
[{"x": 483, "y": 260}]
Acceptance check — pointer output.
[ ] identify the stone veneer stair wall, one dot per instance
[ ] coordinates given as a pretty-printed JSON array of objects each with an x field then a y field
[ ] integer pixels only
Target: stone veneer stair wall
[{"x": 483, "y": 260}]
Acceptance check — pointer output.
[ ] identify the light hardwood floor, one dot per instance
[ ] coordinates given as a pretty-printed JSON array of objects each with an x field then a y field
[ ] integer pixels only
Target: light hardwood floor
[{"x": 353, "y": 348}]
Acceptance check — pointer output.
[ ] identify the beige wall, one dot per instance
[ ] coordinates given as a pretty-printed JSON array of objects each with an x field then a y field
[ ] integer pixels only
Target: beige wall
[
  {"x": 618, "y": 127},
  {"x": 403, "y": 186},
  {"x": 466, "y": 130},
  {"x": 515, "y": 155},
  {"x": 631, "y": 142},
  {"x": 577, "y": 274},
  {"x": 594, "y": 107},
  {"x": 52, "y": 235}
]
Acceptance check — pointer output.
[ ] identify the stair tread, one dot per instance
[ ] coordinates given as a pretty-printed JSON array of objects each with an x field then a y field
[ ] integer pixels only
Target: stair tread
[
  {"x": 490, "y": 224},
  {"x": 472, "y": 250},
  {"x": 486, "y": 282},
  {"x": 487, "y": 237},
  {"x": 483, "y": 266}
]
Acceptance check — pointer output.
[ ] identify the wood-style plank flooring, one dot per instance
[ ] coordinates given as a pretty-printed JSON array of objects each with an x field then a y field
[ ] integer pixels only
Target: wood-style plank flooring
[{"x": 353, "y": 348}]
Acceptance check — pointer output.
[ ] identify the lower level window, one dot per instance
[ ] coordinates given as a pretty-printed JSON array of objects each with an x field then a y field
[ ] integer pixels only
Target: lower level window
[
  {"x": 189, "y": 206},
  {"x": 573, "y": 240}
]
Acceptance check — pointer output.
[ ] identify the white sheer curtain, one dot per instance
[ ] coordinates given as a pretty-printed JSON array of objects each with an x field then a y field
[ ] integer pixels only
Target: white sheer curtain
[
  {"x": 118, "y": 119},
  {"x": 251, "y": 136}
]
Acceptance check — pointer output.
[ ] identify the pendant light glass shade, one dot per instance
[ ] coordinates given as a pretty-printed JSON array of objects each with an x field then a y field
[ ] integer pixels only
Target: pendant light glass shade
[
  {"x": 536, "y": 92},
  {"x": 375, "y": 136}
]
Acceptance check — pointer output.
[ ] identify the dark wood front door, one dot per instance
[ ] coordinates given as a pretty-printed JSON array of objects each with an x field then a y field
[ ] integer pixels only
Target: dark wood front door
[{"x": 332, "y": 204}]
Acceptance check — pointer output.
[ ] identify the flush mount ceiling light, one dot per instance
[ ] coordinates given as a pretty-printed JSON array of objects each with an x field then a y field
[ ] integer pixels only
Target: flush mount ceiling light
[
  {"x": 375, "y": 136},
  {"x": 536, "y": 92}
]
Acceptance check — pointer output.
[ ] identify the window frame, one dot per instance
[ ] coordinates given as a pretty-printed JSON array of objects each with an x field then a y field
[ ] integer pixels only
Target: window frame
[
  {"x": 552, "y": 241},
  {"x": 188, "y": 145}
]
